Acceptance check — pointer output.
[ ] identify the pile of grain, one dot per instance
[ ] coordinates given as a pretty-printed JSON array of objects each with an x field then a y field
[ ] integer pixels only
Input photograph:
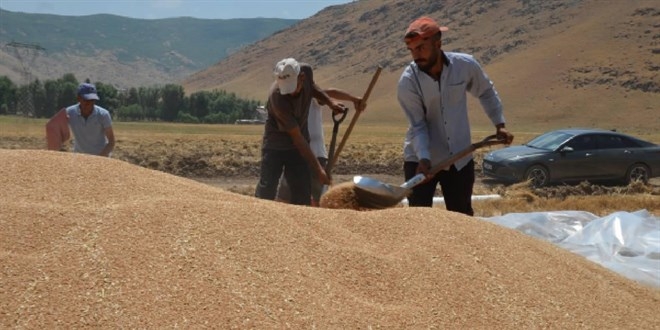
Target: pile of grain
[{"x": 96, "y": 242}]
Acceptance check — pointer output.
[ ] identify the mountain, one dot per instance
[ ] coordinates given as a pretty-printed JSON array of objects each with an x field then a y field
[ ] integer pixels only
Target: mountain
[
  {"x": 559, "y": 63},
  {"x": 125, "y": 52}
]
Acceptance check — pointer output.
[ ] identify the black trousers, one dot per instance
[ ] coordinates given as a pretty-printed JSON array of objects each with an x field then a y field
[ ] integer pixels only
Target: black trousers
[
  {"x": 296, "y": 173},
  {"x": 456, "y": 188}
]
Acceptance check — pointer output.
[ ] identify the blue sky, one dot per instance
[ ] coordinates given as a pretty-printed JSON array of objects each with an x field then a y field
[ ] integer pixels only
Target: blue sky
[{"x": 153, "y": 9}]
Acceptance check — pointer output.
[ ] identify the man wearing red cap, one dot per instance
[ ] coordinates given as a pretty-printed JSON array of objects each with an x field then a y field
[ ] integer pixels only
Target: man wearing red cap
[{"x": 432, "y": 93}]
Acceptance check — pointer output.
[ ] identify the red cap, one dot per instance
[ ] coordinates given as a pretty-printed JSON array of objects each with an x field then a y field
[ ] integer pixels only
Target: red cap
[{"x": 423, "y": 27}]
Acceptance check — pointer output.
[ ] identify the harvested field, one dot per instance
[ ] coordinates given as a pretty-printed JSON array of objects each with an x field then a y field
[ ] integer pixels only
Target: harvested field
[
  {"x": 97, "y": 242},
  {"x": 231, "y": 162}
]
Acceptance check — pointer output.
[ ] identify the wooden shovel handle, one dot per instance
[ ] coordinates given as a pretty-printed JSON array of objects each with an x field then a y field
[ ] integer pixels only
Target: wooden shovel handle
[
  {"x": 490, "y": 140},
  {"x": 334, "y": 157}
]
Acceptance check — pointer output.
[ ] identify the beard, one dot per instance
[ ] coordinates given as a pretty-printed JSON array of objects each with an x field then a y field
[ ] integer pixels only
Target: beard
[{"x": 426, "y": 64}]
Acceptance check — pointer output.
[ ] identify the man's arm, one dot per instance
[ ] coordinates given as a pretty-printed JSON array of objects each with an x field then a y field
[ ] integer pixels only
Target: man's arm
[
  {"x": 411, "y": 102},
  {"x": 110, "y": 135},
  {"x": 484, "y": 89},
  {"x": 345, "y": 96},
  {"x": 324, "y": 99},
  {"x": 57, "y": 130},
  {"x": 303, "y": 147}
]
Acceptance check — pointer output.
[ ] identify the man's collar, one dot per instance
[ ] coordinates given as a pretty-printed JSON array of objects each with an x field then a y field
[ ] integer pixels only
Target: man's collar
[
  {"x": 445, "y": 59},
  {"x": 445, "y": 62}
]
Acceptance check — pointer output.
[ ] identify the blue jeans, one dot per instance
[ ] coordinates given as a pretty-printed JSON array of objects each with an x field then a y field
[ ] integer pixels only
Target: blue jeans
[
  {"x": 296, "y": 173},
  {"x": 456, "y": 188}
]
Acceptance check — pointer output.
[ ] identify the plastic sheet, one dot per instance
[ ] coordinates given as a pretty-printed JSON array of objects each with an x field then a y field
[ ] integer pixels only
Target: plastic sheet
[
  {"x": 441, "y": 200},
  {"x": 624, "y": 242}
]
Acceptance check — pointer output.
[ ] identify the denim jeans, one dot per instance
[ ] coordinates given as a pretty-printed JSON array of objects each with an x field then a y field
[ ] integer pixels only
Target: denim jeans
[{"x": 296, "y": 173}]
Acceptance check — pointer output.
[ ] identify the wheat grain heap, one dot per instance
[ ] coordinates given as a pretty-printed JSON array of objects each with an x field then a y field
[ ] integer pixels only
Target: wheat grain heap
[{"x": 96, "y": 242}]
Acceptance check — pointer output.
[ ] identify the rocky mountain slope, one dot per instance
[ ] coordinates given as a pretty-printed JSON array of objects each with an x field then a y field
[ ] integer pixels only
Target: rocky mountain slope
[
  {"x": 122, "y": 51},
  {"x": 555, "y": 63}
]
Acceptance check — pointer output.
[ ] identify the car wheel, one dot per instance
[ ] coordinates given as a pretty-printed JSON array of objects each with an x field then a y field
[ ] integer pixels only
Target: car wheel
[
  {"x": 638, "y": 172},
  {"x": 537, "y": 176}
]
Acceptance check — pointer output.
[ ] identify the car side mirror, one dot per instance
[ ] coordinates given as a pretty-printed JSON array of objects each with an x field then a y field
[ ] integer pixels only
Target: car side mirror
[{"x": 566, "y": 149}]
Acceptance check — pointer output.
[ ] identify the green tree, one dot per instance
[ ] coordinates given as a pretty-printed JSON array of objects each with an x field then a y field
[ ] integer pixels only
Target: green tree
[
  {"x": 52, "y": 91},
  {"x": 184, "y": 117},
  {"x": 108, "y": 96},
  {"x": 133, "y": 97},
  {"x": 130, "y": 113},
  {"x": 69, "y": 78},
  {"x": 7, "y": 95},
  {"x": 37, "y": 92},
  {"x": 68, "y": 94},
  {"x": 148, "y": 99},
  {"x": 172, "y": 101},
  {"x": 199, "y": 104}
]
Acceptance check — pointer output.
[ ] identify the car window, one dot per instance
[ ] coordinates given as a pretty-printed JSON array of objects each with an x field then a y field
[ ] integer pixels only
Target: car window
[
  {"x": 550, "y": 141},
  {"x": 629, "y": 143},
  {"x": 615, "y": 142},
  {"x": 582, "y": 142}
]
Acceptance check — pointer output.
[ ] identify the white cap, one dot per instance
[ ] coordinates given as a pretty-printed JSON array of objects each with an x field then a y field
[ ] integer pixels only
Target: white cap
[{"x": 286, "y": 72}]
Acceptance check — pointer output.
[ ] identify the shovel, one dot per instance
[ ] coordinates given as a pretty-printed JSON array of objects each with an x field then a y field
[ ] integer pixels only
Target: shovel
[
  {"x": 337, "y": 118},
  {"x": 335, "y": 155},
  {"x": 374, "y": 194}
]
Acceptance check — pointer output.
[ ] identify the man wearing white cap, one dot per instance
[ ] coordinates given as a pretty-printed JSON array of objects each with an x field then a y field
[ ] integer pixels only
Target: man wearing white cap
[
  {"x": 285, "y": 146},
  {"x": 91, "y": 125}
]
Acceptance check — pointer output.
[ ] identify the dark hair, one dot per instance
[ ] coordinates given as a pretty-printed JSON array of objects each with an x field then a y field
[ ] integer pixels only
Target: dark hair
[{"x": 412, "y": 35}]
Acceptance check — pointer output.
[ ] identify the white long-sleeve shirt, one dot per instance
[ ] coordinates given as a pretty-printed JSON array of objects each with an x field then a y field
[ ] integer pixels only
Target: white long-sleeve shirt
[
  {"x": 443, "y": 128},
  {"x": 315, "y": 127}
]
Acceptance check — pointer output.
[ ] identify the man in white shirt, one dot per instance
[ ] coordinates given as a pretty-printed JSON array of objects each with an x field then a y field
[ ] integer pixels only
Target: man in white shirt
[{"x": 432, "y": 92}]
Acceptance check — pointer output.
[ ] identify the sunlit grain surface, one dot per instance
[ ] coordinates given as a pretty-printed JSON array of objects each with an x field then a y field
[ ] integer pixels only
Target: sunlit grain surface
[{"x": 95, "y": 242}]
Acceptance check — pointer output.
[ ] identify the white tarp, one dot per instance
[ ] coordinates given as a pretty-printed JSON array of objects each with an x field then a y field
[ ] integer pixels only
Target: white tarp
[{"x": 626, "y": 243}]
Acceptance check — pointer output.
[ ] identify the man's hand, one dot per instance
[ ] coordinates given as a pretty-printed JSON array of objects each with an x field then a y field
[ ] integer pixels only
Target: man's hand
[
  {"x": 323, "y": 177},
  {"x": 337, "y": 108},
  {"x": 503, "y": 134},
  {"x": 359, "y": 104},
  {"x": 424, "y": 166}
]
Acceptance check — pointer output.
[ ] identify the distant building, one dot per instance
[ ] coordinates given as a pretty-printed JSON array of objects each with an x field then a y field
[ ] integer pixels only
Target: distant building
[{"x": 259, "y": 117}]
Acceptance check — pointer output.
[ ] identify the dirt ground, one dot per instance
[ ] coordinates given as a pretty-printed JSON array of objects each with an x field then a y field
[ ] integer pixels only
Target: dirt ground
[
  {"x": 233, "y": 165},
  {"x": 482, "y": 185},
  {"x": 246, "y": 185}
]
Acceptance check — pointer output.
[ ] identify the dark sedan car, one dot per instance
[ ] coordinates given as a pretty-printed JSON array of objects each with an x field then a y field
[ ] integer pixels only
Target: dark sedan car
[{"x": 574, "y": 155}]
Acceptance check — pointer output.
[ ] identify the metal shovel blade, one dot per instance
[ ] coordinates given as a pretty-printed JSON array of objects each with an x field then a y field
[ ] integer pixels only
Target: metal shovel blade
[{"x": 376, "y": 194}]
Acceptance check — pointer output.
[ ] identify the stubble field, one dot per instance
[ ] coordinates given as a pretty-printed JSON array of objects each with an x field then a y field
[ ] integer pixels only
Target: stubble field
[{"x": 228, "y": 156}]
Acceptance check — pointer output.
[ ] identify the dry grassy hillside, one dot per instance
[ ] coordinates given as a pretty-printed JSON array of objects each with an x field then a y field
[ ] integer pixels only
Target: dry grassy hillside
[{"x": 555, "y": 63}]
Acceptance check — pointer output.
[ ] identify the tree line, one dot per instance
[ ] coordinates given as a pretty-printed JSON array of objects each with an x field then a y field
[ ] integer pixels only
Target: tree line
[{"x": 158, "y": 103}]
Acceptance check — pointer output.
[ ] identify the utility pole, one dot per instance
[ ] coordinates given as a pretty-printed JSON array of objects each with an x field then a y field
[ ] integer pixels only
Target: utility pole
[{"x": 26, "y": 55}]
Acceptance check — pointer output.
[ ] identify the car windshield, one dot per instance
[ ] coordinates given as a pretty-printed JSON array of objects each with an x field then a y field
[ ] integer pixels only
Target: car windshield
[{"x": 549, "y": 141}]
